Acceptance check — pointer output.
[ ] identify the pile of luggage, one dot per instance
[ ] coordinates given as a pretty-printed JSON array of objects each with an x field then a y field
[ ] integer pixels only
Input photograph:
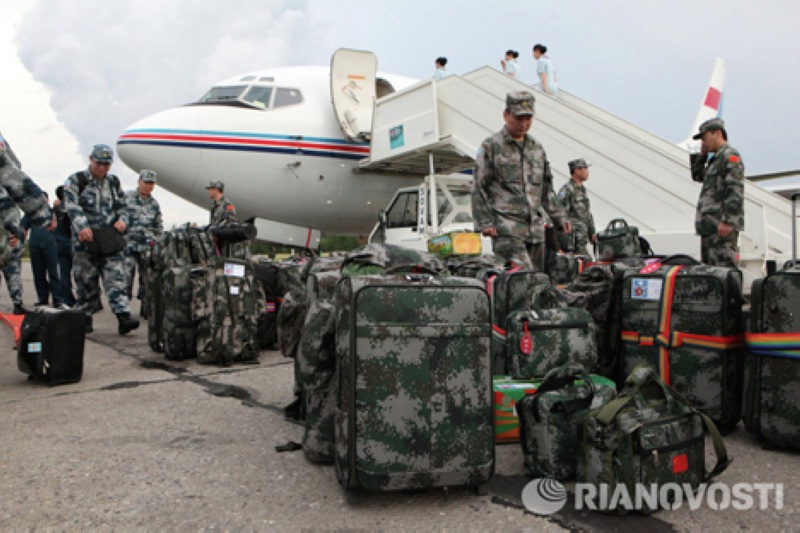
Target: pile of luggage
[
  {"x": 201, "y": 304},
  {"x": 409, "y": 367}
]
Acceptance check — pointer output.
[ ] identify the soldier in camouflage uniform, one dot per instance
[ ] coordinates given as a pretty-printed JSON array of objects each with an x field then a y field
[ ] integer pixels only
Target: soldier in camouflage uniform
[
  {"x": 17, "y": 190},
  {"x": 575, "y": 199},
  {"x": 145, "y": 225},
  {"x": 720, "y": 209},
  {"x": 223, "y": 214},
  {"x": 513, "y": 185},
  {"x": 12, "y": 270},
  {"x": 93, "y": 199}
]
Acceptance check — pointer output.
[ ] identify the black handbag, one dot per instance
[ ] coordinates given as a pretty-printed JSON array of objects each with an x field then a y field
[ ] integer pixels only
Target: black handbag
[{"x": 106, "y": 241}]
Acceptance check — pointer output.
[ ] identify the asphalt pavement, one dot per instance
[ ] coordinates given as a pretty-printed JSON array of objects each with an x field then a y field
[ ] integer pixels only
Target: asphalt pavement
[{"x": 148, "y": 444}]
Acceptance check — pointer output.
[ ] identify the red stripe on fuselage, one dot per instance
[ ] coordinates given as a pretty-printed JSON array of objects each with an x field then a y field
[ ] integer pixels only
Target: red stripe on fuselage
[{"x": 246, "y": 141}]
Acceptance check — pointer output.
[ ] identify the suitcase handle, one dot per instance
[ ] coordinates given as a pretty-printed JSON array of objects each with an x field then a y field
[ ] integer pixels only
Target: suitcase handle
[
  {"x": 679, "y": 259},
  {"x": 617, "y": 222}
]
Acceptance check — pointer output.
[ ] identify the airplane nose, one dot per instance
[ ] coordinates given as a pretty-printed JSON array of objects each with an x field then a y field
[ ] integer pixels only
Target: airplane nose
[{"x": 164, "y": 142}]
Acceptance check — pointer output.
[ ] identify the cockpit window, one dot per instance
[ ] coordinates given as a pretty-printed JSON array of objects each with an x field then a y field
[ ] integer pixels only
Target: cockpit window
[
  {"x": 259, "y": 96},
  {"x": 254, "y": 96},
  {"x": 284, "y": 97},
  {"x": 223, "y": 94}
]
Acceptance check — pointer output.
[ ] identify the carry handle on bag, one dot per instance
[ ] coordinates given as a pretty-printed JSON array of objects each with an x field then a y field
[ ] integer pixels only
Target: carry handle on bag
[
  {"x": 679, "y": 259},
  {"x": 617, "y": 223},
  {"x": 561, "y": 377},
  {"x": 546, "y": 295}
]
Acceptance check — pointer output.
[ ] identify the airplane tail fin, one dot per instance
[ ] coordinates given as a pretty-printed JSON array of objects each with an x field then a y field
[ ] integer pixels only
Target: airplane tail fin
[{"x": 710, "y": 105}]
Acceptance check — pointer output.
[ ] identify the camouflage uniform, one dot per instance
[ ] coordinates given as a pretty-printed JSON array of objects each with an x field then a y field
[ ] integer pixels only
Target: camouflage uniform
[
  {"x": 721, "y": 200},
  {"x": 223, "y": 213},
  {"x": 513, "y": 186},
  {"x": 146, "y": 224},
  {"x": 13, "y": 269},
  {"x": 575, "y": 200},
  {"x": 19, "y": 190},
  {"x": 97, "y": 206}
]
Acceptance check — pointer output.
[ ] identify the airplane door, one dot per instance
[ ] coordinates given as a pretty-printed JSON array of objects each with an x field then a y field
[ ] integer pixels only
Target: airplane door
[{"x": 353, "y": 74}]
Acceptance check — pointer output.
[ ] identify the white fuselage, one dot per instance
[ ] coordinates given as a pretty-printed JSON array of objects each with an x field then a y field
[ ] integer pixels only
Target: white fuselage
[{"x": 288, "y": 164}]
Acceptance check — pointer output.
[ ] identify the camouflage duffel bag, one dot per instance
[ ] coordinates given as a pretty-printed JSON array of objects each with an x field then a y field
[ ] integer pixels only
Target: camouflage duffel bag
[
  {"x": 549, "y": 335},
  {"x": 618, "y": 240},
  {"x": 377, "y": 258},
  {"x": 551, "y": 419},
  {"x": 648, "y": 437},
  {"x": 563, "y": 268}
]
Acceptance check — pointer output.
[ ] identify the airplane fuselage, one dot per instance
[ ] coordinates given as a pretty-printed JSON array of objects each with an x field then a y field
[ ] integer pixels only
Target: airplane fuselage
[{"x": 289, "y": 163}]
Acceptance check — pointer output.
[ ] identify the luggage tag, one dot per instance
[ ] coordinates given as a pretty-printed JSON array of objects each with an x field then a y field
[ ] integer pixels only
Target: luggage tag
[
  {"x": 649, "y": 268},
  {"x": 526, "y": 343}
]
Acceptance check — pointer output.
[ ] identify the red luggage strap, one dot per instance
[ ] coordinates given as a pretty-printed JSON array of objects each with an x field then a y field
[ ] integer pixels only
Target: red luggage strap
[
  {"x": 667, "y": 339},
  {"x": 498, "y": 332},
  {"x": 774, "y": 344}
]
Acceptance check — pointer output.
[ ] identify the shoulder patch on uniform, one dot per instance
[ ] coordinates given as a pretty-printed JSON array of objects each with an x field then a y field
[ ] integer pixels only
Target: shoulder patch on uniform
[
  {"x": 734, "y": 159},
  {"x": 230, "y": 207},
  {"x": 562, "y": 194}
]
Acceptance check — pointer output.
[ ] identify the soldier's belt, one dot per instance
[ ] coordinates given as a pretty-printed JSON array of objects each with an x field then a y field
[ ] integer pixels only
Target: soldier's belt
[{"x": 774, "y": 344}]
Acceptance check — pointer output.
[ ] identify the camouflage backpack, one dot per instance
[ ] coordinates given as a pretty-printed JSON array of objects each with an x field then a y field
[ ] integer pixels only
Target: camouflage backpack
[
  {"x": 551, "y": 419},
  {"x": 649, "y": 436},
  {"x": 468, "y": 266},
  {"x": 618, "y": 240},
  {"x": 377, "y": 258},
  {"x": 226, "y": 302}
]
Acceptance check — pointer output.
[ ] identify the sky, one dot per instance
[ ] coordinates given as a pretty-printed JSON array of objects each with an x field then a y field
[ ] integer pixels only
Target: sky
[{"x": 74, "y": 73}]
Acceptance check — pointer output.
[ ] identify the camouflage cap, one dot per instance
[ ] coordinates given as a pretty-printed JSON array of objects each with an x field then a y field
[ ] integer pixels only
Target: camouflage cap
[
  {"x": 575, "y": 164},
  {"x": 148, "y": 176},
  {"x": 520, "y": 103},
  {"x": 710, "y": 125},
  {"x": 216, "y": 184},
  {"x": 102, "y": 153}
]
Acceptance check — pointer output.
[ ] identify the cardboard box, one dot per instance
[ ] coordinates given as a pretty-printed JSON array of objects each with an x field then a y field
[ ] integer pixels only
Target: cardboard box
[{"x": 456, "y": 243}]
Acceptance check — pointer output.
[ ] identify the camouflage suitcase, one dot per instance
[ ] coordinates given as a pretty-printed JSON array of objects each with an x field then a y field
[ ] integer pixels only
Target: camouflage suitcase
[
  {"x": 315, "y": 366},
  {"x": 564, "y": 268},
  {"x": 648, "y": 437},
  {"x": 686, "y": 321},
  {"x": 618, "y": 240},
  {"x": 509, "y": 290},
  {"x": 377, "y": 258},
  {"x": 468, "y": 266},
  {"x": 178, "y": 322},
  {"x": 414, "y": 386},
  {"x": 551, "y": 420},
  {"x": 772, "y": 362},
  {"x": 226, "y": 304},
  {"x": 549, "y": 335}
]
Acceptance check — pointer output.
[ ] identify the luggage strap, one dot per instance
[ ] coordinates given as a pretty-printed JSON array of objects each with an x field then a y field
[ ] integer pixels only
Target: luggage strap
[
  {"x": 774, "y": 344},
  {"x": 667, "y": 339}
]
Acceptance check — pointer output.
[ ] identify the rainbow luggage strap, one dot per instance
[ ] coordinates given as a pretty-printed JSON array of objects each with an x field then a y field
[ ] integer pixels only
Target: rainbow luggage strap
[
  {"x": 774, "y": 344},
  {"x": 667, "y": 339}
]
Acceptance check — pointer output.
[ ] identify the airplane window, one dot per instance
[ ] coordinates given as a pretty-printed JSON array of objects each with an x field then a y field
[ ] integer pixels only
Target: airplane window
[
  {"x": 284, "y": 97},
  {"x": 258, "y": 96},
  {"x": 248, "y": 78},
  {"x": 223, "y": 94}
]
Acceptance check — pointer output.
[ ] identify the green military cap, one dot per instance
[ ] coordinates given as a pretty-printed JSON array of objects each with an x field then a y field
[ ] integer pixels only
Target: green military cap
[
  {"x": 575, "y": 164},
  {"x": 148, "y": 176},
  {"x": 710, "y": 125},
  {"x": 520, "y": 103},
  {"x": 216, "y": 184},
  {"x": 102, "y": 153}
]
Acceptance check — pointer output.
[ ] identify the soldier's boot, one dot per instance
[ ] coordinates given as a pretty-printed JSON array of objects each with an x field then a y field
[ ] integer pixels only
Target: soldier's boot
[
  {"x": 143, "y": 311},
  {"x": 126, "y": 323},
  {"x": 89, "y": 327},
  {"x": 19, "y": 310}
]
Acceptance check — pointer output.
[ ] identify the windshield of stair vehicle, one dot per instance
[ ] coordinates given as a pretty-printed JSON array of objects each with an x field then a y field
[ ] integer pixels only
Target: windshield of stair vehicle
[{"x": 257, "y": 96}]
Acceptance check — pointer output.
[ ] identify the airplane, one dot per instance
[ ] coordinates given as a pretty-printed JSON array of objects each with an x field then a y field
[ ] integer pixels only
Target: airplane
[{"x": 285, "y": 156}]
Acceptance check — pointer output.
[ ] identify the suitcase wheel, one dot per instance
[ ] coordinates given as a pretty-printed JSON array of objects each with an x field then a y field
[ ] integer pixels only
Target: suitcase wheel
[{"x": 352, "y": 496}]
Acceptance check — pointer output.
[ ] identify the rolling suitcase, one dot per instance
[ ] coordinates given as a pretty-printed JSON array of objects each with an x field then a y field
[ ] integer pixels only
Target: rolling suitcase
[
  {"x": 414, "y": 387},
  {"x": 772, "y": 361},
  {"x": 510, "y": 291},
  {"x": 686, "y": 321},
  {"x": 51, "y": 345}
]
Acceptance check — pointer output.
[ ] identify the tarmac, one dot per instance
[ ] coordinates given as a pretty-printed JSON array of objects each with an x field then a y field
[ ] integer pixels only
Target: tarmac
[{"x": 142, "y": 443}]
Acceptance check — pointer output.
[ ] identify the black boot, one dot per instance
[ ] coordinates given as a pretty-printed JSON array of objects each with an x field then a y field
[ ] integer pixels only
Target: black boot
[
  {"x": 19, "y": 310},
  {"x": 89, "y": 327},
  {"x": 126, "y": 323}
]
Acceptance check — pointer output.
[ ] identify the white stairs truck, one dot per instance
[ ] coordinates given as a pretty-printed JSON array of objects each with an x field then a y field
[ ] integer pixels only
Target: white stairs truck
[{"x": 433, "y": 129}]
